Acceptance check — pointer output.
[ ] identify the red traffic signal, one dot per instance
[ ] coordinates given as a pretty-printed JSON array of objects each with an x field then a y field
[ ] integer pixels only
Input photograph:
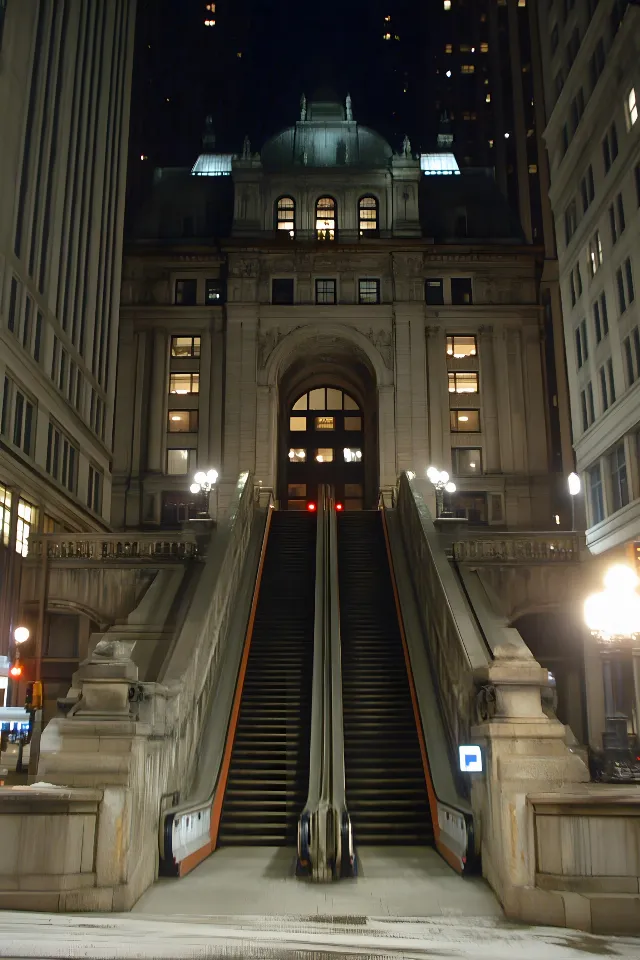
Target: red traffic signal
[
  {"x": 339, "y": 507},
  {"x": 15, "y": 671},
  {"x": 311, "y": 507}
]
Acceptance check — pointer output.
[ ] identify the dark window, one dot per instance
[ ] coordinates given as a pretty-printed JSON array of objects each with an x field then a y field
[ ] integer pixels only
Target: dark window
[
  {"x": 612, "y": 382},
  {"x": 603, "y": 389},
  {"x": 286, "y": 216},
  {"x": 369, "y": 291},
  {"x": 282, "y": 290},
  {"x": 621, "y": 220},
  {"x": 94, "y": 490},
  {"x": 579, "y": 358},
  {"x": 5, "y": 406},
  {"x": 592, "y": 408},
  {"x": 570, "y": 221},
  {"x": 555, "y": 37},
  {"x": 461, "y": 290},
  {"x": 585, "y": 415},
  {"x": 622, "y": 302},
  {"x": 629, "y": 275},
  {"x": 572, "y": 289},
  {"x": 604, "y": 315},
  {"x": 13, "y": 304},
  {"x": 37, "y": 340},
  {"x": 325, "y": 291},
  {"x": 186, "y": 292},
  {"x": 606, "y": 154},
  {"x": 585, "y": 342},
  {"x": 215, "y": 292},
  {"x": 596, "y": 321},
  {"x": 628, "y": 358},
  {"x": 326, "y": 219},
  {"x": 473, "y": 506},
  {"x": 596, "y": 64},
  {"x": 612, "y": 225},
  {"x": 619, "y": 479},
  {"x": 595, "y": 494},
  {"x": 368, "y": 217},
  {"x": 434, "y": 292},
  {"x": 637, "y": 173}
]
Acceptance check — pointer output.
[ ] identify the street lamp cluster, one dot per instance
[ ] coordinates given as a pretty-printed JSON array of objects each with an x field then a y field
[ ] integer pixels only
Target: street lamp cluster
[
  {"x": 443, "y": 484},
  {"x": 203, "y": 484}
]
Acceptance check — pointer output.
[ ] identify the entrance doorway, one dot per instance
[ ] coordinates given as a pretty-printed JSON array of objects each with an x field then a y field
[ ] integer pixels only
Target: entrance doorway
[{"x": 326, "y": 444}]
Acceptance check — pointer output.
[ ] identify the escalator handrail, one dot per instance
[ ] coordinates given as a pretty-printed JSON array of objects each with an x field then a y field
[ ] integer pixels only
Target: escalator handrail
[{"x": 209, "y": 808}]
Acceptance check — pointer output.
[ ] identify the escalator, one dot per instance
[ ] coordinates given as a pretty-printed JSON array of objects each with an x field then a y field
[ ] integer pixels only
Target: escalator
[
  {"x": 385, "y": 777},
  {"x": 269, "y": 771}
]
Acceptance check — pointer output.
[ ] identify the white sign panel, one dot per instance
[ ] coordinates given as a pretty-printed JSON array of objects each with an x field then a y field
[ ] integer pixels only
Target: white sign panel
[{"x": 470, "y": 759}]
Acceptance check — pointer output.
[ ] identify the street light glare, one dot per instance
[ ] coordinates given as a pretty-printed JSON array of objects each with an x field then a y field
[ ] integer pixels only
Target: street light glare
[
  {"x": 21, "y": 634},
  {"x": 200, "y": 477},
  {"x": 614, "y": 613},
  {"x": 574, "y": 484},
  {"x": 450, "y": 487},
  {"x": 433, "y": 474},
  {"x": 212, "y": 476},
  {"x": 195, "y": 488}
]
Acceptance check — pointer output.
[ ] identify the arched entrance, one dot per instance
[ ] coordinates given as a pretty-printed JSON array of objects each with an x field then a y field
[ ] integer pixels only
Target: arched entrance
[
  {"x": 328, "y": 430},
  {"x": 326, "y": 445}
]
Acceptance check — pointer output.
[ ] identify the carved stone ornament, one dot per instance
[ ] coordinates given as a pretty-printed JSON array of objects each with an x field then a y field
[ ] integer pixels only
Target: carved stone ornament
[
  {"x": 408, "y": 266},
  {"x": 383, "y": 342},
  {"x": 244, "y": 268}
]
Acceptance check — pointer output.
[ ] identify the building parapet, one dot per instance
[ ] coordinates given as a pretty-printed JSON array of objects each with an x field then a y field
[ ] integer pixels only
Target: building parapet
[
  {"x": 501, "y": 547},
  {"x": 116, "y": 546}
]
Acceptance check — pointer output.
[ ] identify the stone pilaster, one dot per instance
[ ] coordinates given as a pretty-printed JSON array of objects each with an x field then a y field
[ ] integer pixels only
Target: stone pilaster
[{"x": 157, "y": 402}]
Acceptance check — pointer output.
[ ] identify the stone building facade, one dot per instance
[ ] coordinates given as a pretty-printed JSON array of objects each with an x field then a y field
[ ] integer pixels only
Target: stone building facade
[{"x": 327, "y": 261}]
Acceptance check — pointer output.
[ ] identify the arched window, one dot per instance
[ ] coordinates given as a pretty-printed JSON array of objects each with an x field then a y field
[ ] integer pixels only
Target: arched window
[
  {"x": 286, "y": 216},
  {"x": 326, "y": 219},
  {"x": 368, "y": 216}
]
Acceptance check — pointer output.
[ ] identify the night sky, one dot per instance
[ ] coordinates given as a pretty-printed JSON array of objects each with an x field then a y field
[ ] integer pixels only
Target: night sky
[{"x": 185, "y": 71}]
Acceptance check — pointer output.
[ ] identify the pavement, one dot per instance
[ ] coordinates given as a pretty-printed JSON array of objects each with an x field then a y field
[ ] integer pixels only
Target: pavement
[
  {"x": 246, "y": 903},
  {"x": 47, "y": 937},
  {"x": 392, "y": 881}
]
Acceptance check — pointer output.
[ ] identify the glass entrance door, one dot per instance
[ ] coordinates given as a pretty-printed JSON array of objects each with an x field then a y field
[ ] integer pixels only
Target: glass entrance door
[{"x": 325, "y": 445}]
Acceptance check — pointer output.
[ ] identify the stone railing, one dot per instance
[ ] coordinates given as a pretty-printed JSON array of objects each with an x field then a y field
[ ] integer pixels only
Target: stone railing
[
  {"x": 114, "y": 546},
  {"x": 456, "y": 649},
  {"x": 518, "y": 548}
]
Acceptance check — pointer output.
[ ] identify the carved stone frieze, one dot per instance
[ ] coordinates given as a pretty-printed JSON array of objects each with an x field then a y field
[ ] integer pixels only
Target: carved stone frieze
[
  {"x": 408, "y": 264},
  {"x": 243, "y": 268}
]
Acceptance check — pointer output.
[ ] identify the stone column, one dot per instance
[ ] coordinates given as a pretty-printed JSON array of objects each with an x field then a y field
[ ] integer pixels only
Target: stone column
[
  {"x": 156, "y": 411},
  {"x": 489, "y": 410},
  {"x": 404, "y": 451},
  {"x": 204, "y": 401},
  {"x": 438, "y": 400},
  {"x": 387, "y": 436}
]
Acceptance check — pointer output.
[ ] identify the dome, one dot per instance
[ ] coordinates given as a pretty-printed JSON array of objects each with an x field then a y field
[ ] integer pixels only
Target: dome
[{"x": 324, "y": 138}]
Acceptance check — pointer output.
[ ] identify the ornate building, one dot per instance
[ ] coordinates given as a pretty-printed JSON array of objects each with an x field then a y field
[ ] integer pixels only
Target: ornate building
[{"x": 397, "y": 284}]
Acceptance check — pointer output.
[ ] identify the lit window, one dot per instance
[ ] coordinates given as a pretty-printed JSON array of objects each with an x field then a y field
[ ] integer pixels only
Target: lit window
[
  {"x": 448, "y": 48},
  {"x": 297, "y": 456},
  {"x": 297, "y": 424},
  {"x": 177, "y": 463},
  {"x": 368, "y": 208},
  {"x": 488, "y": 98},
  {"x": 325, "y": 423},
  {"x": 184, "y": 383},
  {"x": 182, "y": 421},
  {"x": 5, "y": 515},
  {"x": 214, "y": 291},
  {"x": 447, "y": 4},
  {"x": 460, "y": 382},
  {"x": 368, "y": 291},
  {"x": 185, "y": 347},
  {"x": 632, "y": 107},
  {"x": 326, "y": 219},
  {"x": 484, "y": 48},
  {"x": 26, "y": 520},
  {"x": 464, "y": 421},
  {"x": 459, "y": 347},
  {"x": 352, "y": 455},
  {"x": 466, "y": 462},
  {"x": 209, "y": 23},
  {"x": 325, "y": 291},
  {"x": 533, "y": 168},
  {"x": 286, "y": 216},
  {"x": 323, "y": 455},
  {"x": 467, "y": 68}
]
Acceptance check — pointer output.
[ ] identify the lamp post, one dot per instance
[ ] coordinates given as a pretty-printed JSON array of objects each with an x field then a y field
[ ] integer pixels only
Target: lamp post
[
  {"x": 203, "y": 483},
  {"x": 613, "y": 617},
  {"x": 442, "y": 483},
  {"x": 20, "y": 636},
  {"x": 574, "y": 484}
]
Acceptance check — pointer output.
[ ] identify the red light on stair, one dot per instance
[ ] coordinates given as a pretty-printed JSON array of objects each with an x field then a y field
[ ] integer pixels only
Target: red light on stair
[
  {"x": 339, "y": 506},
  {"x": 311, "y": 507}
]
